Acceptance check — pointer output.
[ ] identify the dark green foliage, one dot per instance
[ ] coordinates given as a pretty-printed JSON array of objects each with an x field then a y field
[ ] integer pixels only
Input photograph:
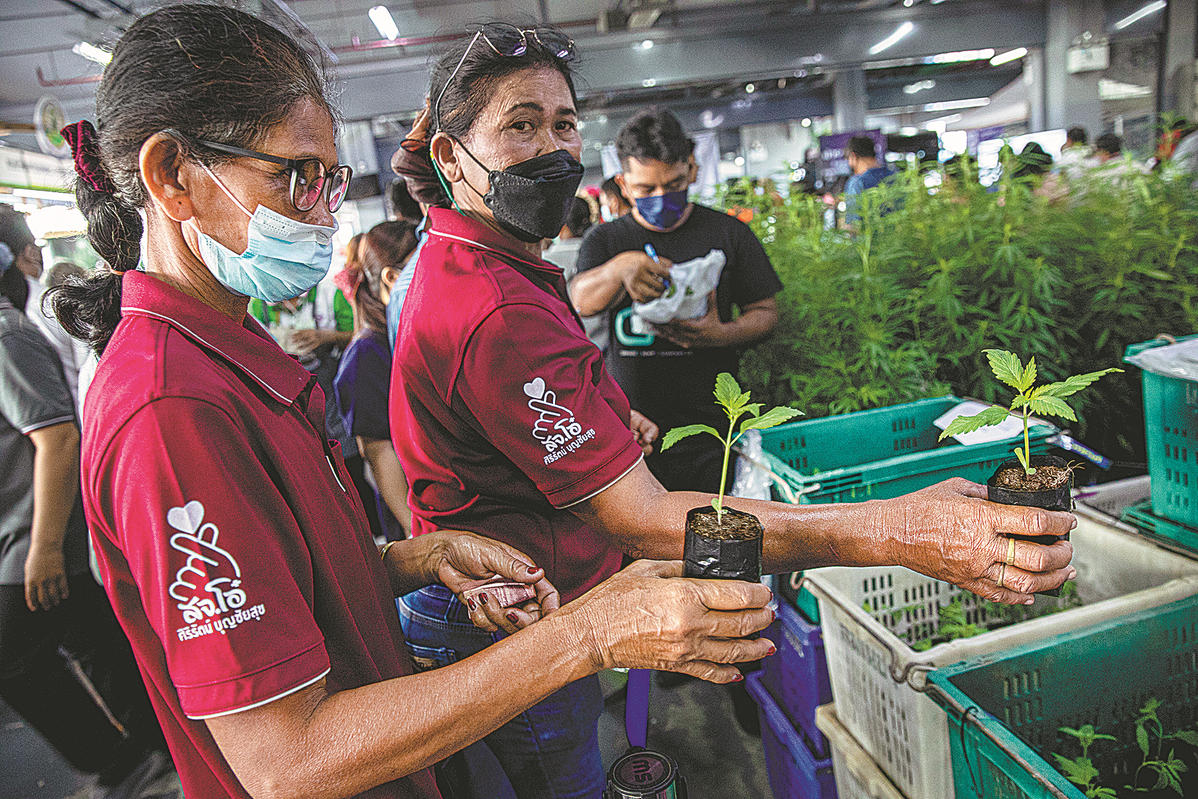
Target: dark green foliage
[{"x": 905, "y": 308}]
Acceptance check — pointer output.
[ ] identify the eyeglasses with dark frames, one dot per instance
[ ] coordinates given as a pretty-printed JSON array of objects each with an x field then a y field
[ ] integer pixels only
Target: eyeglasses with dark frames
[
  {"x": 310, "y": 178},
  {"x": 508, "y": 40}
]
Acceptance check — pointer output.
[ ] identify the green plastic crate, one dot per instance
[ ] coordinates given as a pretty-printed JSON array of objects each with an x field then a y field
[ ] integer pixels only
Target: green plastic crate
[
  {"x": 875, "y": 454},
  {"x": 1017, "y": 700},
  {"x": 1142, "y": 518},
  {"x": 880, "y": 453},
  {"x": 1171, "y": 427}
]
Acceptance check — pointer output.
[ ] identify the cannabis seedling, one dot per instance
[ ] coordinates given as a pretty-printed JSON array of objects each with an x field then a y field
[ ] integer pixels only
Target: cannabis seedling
[
  {"x": 1168, "y": 769},
  {"x": 1080, "y": 770},
  {"x": 1047, "y": 400},
  {"x": 736, "y": 404}
]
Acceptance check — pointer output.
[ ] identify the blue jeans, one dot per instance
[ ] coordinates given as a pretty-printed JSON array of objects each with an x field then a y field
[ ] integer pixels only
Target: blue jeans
[{"x": 551, "y": 750}]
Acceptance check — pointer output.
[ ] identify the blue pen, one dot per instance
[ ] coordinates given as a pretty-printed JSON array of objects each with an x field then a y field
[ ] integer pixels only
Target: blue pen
[{"x": 652, "y": 253}]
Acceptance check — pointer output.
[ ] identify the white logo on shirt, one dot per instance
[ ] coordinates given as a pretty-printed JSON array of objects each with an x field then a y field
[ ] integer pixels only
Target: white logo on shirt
[
  {"x": 556, "y": 428},
  {"x": 216, "y": 606}
]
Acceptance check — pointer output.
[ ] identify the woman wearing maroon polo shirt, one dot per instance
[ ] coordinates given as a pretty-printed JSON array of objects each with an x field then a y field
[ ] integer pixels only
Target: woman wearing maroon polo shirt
[
  {"x": 237, "y": 561},
  {"x": 505, "y": 420}
]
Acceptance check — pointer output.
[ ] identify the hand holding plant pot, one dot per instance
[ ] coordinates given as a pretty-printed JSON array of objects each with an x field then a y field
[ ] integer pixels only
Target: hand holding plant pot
[
  {"x": 726, "y": 544},
  {"x": 1036, "y": 481}
]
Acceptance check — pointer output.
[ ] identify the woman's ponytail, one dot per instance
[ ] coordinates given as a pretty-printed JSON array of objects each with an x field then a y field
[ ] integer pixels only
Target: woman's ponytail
[{"x": 90, "y": 309}]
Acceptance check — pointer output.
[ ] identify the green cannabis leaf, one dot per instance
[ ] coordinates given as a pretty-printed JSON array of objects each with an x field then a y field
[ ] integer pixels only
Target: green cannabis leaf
[
  {"x": 1043, "y": 400},
  {"x": 735, "y": 404},
  {"x": 1079, "y": 771},
  {"x": 679, "y": 433}
]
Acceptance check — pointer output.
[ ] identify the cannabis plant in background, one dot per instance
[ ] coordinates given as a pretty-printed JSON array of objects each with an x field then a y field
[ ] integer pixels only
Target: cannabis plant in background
[
  {"x": 844, "y": 341},
  {"x": 906, "y": 308}
]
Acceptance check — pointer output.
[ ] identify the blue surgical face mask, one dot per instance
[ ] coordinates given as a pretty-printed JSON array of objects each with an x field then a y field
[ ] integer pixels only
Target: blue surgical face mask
[
  {"x": 283, "y": 257},
  {"x": 663, "y": 210}
]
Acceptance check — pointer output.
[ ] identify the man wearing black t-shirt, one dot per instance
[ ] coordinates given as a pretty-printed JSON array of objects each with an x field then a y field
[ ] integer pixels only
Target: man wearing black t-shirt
[{"x": 668, "y": 371}]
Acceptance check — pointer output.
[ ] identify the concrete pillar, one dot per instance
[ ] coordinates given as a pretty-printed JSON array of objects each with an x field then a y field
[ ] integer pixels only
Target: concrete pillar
[
  {"x": 1033, "y": 78},
  {"x": 1071, "y": 99},
  {"x": 1178, "y": 57},
  {"x": 849, "y": 100}
]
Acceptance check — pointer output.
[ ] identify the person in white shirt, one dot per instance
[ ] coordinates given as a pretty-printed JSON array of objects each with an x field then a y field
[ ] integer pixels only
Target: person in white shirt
[
  {"x": 1110, "y": 161},
  {"x": 1076, "y": 155}
]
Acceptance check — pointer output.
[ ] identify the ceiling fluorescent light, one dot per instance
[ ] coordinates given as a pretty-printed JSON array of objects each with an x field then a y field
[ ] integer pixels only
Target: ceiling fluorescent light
[
  {"x": 1010, "y": 55},
  {"x": 892, "y": 39},
  {"x": 961, "y": 55},
  {"x": 92, "y": 53},
  {"x": 1135, "y": 17},
  {"x": 382, "y": 20},
  {"x": 953, "y": 105}
]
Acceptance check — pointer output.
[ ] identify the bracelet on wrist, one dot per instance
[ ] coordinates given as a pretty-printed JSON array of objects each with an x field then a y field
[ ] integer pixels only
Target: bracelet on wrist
[{"x": 386, "y": 546}]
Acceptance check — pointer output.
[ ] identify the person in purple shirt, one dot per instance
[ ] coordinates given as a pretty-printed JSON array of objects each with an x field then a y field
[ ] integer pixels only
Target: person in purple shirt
[{"x": 364, "y": 376}]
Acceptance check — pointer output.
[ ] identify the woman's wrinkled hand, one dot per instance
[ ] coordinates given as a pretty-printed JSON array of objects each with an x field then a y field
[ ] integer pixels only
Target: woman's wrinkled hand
[
  {"x": 471, "y": 566},
  {"x": 949, "y": 531},
  {"x": 647, "y": 617}
]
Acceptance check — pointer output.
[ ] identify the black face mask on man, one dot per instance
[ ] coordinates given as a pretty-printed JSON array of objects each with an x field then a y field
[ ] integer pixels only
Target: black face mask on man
[{"x": 531, "y": 199}]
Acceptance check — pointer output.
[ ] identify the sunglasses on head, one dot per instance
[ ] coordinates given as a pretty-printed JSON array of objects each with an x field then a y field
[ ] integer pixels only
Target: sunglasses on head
[
  {"x": 511, "y": 41},
  {"x": 310, "y": 178}
]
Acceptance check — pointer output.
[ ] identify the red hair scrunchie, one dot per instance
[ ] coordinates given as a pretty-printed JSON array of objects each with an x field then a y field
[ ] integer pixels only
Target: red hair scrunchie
[{"x": 82, "y": 138}]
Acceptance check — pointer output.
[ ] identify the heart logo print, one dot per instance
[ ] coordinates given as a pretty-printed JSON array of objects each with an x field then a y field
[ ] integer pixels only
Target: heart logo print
[
  {"x": 535, "y": 389},
  {"x": 186, "y": 518}
]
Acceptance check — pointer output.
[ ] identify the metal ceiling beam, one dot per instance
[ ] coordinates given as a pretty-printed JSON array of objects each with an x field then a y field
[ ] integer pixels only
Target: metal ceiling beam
[
  {"x": 81, "y": 9},
  {"x": 124, "y": 9},
  {"x": 612, "y": 62},
  {"x": 777, "y": 38}
]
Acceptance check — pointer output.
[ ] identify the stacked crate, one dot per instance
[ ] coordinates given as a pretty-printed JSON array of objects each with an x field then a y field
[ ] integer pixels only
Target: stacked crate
[{"x": 872, "y": 454}]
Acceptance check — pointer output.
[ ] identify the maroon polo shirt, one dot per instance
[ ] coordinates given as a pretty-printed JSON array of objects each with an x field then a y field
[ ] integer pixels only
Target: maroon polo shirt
[
  {"x": 502, "y": 413},
  {"x": 229, "y": 536}
]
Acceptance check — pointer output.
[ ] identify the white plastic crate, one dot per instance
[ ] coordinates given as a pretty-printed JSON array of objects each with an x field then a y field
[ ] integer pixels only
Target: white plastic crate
[
  {"x": 1111, "y": 499},
  {"x": 857, "y": 775},
  {"x": 903, "y": 730}
]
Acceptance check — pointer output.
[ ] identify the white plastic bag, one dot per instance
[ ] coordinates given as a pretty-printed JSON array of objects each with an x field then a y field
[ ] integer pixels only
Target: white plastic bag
[
  {"x": 752, "y": 478},
  {"x": 686, "y": 297},
  {"x": 1178, "y": 360}
]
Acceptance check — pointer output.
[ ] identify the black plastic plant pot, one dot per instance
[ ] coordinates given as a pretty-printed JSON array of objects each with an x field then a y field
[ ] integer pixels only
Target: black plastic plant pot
[
  {"x": 1059, "y": 498},
  {"x": 728, "y": 551}
]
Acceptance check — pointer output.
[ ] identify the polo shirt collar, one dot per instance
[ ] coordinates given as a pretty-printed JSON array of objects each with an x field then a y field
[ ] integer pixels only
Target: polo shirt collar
[
  {"x": 248, "y": 347},
  {"x": 451, "y": 225}
]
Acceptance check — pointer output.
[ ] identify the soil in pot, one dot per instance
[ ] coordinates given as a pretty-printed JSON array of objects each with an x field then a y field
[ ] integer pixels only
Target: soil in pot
[
  {"x": 723, "y": 549},
  {"x": 1049, "y": 487}
]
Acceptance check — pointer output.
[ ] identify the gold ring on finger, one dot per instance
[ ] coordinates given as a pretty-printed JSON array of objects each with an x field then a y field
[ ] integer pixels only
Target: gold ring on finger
[
  {"x": 1002, "y": 572},
  {"x": 1011, "y": 552}
]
